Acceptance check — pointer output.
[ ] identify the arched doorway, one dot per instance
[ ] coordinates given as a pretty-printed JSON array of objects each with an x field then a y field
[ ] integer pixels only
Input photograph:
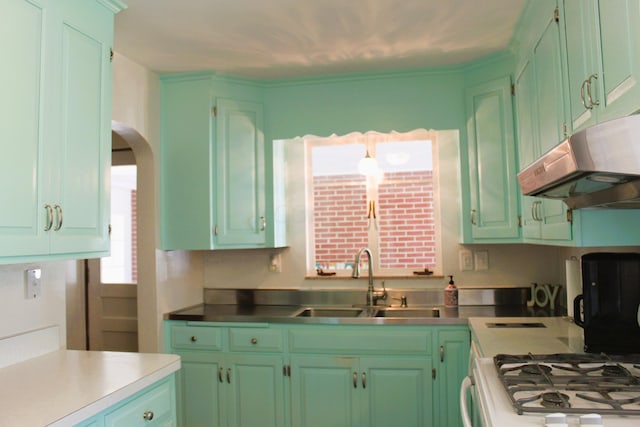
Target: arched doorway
[{"x": 121, "y": 304}]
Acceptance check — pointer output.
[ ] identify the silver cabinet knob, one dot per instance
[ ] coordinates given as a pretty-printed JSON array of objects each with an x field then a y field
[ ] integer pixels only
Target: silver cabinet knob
[
  {"x": 254, "y": 340},
  {"x": 194, "y": 338},
  {"x": 148, "y": 415}
]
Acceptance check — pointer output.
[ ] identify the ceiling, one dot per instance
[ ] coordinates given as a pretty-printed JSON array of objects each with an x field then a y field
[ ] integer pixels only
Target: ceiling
[{"x": 296, "y": 38}]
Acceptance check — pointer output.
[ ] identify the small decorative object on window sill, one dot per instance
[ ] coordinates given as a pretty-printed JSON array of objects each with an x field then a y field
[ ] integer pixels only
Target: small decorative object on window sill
[
  {"x": 426, "y": 272},
  {"x": 321, "y": 272}
]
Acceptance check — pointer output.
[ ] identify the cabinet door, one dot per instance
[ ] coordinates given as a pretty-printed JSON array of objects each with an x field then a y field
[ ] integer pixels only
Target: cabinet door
[
  {"x": 256, "y": 396},
  {"x": 580, "y": 32},
  {"x": 81, "y": 174},
  {"x": 451, "y": 368},
  {"x": 23, "y": 108},
  {"x": 526, "y": 110},
  {"x": 199, "y": 384},
  {"x": 492, "y": 161},
  {"x": 323, "y": 391},
  {"x": 620, "y": 43},
  {"x": 397, "y": 392},
  {"x": 154, "y": 407},
  {"x": 186, "y": 178},
  {"x": 240, "y": 219},
  {"x": 549, "y": 89}
]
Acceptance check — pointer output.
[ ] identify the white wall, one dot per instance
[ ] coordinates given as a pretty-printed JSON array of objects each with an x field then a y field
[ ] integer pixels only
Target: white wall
[
  {"x": 166, "y": 280},
  {"x": 18, "y": 314}
]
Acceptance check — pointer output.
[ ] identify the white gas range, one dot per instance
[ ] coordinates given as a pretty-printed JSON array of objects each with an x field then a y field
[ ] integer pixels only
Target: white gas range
[{"x": 525, "y": 369}]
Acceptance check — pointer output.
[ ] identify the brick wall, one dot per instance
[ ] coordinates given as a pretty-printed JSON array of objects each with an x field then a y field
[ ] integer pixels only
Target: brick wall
[{"x": 404, "y": 216}]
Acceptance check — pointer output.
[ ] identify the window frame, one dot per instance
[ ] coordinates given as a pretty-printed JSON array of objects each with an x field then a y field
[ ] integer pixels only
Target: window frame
[{"x": 370, "y": 139}]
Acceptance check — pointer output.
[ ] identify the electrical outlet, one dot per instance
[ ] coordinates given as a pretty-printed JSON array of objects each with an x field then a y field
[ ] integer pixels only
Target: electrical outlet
[
  {"x": 466, "y": 260},
  {"x": 481, "y": 260},
  {"x": 275, "y": 265},
  {"x": 32, "y": 283}
]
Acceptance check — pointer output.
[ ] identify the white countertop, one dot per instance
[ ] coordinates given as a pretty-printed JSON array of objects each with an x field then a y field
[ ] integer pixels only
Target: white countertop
[
  {"x": 64, "y": 387},
  {"x": 560, "y": 335}
]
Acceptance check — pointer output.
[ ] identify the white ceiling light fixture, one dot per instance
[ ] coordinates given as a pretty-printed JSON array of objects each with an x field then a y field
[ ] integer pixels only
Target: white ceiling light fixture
[{"x": 368, "y": 166}]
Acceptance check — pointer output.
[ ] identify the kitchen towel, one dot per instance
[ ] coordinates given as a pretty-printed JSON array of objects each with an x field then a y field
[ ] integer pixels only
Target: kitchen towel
[{"x": 574, "y": 282}]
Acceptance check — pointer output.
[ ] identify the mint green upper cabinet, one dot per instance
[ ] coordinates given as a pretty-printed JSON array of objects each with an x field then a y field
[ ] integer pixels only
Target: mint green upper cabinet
[
  {"x": 603, "y": 56},
  {"x": 186, "y": 195},
  {"x": 240, "y": 219},
  {"x": 213, "y": 157},
  {"x": 55, "y": 119},
  {"x": 492, "y": 163},
  {"x": 81, "y": 183},
  {"x": 541, "y": 125}
]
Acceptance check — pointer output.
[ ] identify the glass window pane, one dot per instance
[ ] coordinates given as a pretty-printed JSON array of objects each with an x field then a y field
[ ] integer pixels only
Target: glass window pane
[
  {"x": 340, "y": 205},
  {"x": 407, "y": 234},
  {"x": 121, "y": 266}
]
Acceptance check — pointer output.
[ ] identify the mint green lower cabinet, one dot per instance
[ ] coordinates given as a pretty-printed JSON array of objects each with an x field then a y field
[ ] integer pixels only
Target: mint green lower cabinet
[
  {"x": 451, "y": 368},
  {"x": 254, "y": 394},
  {"x": 361, "y": 391},
  {"x": 198, "y": 389},
  {"x": 397, "y": 391},
  {"x": 153, "y": 406},
  {"x": 274, "y": 375},
  {"x": 323, "y": 391},
  {"x": 97, "y": 421}
]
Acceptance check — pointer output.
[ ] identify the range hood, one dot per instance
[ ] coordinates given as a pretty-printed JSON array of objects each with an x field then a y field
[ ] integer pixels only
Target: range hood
[{"x": 597, "y": 167}]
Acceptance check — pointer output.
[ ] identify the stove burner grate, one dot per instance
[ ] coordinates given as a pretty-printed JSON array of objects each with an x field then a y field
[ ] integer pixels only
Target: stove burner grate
[
  {"x": 555, "y": 399},
  {"x": 571, "y": 383}
]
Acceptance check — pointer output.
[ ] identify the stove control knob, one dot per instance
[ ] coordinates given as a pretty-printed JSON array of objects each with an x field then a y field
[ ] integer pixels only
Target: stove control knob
[
  {"x": 556, "y": 420},
  {"x": 593, "y": 420}
]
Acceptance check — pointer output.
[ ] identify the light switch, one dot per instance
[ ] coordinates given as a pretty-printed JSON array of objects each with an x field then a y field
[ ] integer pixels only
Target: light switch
[
  {"x": 466, "y": 260},
  {"x": 481, "y": 260}
]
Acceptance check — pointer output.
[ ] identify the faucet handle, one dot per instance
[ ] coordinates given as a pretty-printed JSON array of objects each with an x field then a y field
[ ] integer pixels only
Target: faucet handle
[{"x": 403, "y": 300}]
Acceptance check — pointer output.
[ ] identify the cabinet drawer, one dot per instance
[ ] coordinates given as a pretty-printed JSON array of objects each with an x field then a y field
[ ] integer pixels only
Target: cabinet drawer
[
  {"x": 151, "y": 409},
  {"x": 255, "y": 340},
  {"x": 360, "y": 341},
  {"x": 196, "y": 337}
]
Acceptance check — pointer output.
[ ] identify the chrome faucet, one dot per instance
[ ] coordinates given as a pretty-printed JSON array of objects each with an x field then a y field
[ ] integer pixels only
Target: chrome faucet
[{"x": 372, "y": 295}]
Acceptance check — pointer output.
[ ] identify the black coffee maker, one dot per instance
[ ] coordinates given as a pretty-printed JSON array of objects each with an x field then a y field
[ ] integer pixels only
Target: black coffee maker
[{"x": 610, "y": 299}]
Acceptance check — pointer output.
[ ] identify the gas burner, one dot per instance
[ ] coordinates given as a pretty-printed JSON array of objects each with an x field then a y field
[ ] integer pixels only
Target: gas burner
[
  {"x": 571, "y": 383},
  {"x": 555, "y": 399},
  {"x": 535, "y": 369}
]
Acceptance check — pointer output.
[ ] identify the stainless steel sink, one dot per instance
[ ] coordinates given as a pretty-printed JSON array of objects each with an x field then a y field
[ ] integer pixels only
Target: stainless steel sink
[
  {"x": 408, "y": 312},
  {"x": 329, "y": 312}
]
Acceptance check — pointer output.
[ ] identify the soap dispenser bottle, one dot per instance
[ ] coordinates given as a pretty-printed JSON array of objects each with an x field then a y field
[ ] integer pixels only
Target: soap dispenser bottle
[{"x": 451, "y": 294}]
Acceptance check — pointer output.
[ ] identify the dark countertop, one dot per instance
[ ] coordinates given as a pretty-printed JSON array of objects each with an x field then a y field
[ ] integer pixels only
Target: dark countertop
[{"x": 288, "y": 314}]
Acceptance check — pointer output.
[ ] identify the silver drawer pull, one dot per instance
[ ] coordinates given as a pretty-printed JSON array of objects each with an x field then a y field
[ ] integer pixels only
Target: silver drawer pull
[
  {"x": 194, "y": 338},
  {"x": 59, "y": 217},
  {"x": 148, "y": 415},
  {"x": 355, "y": 380},
  {"x": 254, "y": 340},
  {"x": 49, "y": 220}
]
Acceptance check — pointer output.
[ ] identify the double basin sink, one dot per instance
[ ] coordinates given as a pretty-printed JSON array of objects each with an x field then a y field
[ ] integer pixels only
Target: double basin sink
[{"x": 352, "y": 312}]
